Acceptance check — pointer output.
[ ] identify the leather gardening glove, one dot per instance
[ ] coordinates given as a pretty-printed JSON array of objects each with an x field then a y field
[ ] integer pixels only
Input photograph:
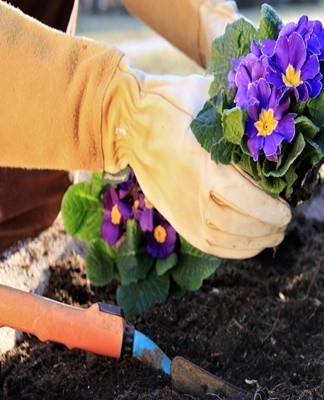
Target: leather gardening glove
[
  {"x": 190, "y": 25},
  {"x": 214, "y": 207},
  {"x": 96, "y": 113}
]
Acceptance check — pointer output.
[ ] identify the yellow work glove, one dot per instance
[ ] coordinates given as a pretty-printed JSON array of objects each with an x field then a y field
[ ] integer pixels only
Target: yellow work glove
[
  {"x": 214, "y": 207},
  {"x": 190, "y": 25}
]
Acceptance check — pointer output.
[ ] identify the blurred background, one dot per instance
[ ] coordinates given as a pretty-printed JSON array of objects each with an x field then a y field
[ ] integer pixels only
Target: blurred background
[
  {"x": 107, "y": 21},
  {"x": 99, "y": 6}
]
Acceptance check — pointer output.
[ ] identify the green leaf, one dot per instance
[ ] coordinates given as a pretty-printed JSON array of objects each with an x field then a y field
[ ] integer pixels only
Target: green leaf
[
  {"x": 233, "y": 127},
  {"x": 98, "y": 183},
  {"x": 164, "y": 265},
  {"x": 315, "y": 108},
  {"x": 291, "y": 177},
  {"x": 82, "y": 211},
  {"x": 291, "y": 153},
  {"x": 133, "y": 262},
  {"x": 305, "y": 126},
  {"x": 206, "y": 125},
  {"x": 223, "y": 152},
  {"x": 271, "y": 185},
  {"x": 315, "y": 152},
  {"x": 137, "y": 298},
  {"x": 233, "y": 44},
  {"x": 269, "y": 23},
  {"x": 101, "y": 263},
  {"x": 193, "y": 267}
]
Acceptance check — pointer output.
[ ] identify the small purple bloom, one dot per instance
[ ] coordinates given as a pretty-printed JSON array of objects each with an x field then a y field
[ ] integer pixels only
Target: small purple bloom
[
  {"x": 291, "y": 66},
  {"x": 247, "y": 70},
  {"x": 269, "y": 123},
  {"x": 160, "y": 242},
  {"x": 115, "y": 214},
  {"x": 312, "y": 33}
]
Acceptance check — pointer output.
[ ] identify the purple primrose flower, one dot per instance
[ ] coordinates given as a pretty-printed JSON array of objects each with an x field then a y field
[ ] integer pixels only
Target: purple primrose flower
[
  {"x": 115, "y": 214},
  {"x": 145, "y": 213},
  {"x": 291, "y": 66},
  {"x": 127, "y": 201},
  {"x": 160, "y": 242},
  {"x": 247, "y": 70},
  {"x": 269, "y": 123}
]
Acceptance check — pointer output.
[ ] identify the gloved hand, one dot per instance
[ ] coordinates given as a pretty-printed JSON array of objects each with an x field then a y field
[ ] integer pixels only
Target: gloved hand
[
  {"x": 215, "y": 207},
  {"x": 96, "y": 112},
  {"x": 190, "y": 25}
]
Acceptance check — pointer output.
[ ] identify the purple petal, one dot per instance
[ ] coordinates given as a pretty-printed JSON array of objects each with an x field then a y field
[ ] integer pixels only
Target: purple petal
[
  {"x": 286, "y": 127},
  {"x": 161, "y": 249},
  {"x": 254, "y": 145},
  {"x": 125, "y": 209},
  {"x": 110, "y": 232},
  {"x": 310, "y": 68},
  {"x": 271, "y": 144},
  {"x": 315, "y": 86},
  {"x": 296, "y": 51},
  {"x": 282, "y": 52},
  {"x": 146, "y": 220}
]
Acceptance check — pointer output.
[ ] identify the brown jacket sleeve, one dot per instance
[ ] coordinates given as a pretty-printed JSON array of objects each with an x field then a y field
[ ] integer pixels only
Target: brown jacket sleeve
[
  {"x": 182, "y": 23},
  {"x": 52, "y": 87}
]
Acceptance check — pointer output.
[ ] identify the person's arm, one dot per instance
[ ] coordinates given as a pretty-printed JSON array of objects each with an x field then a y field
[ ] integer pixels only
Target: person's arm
[
  {"x": 190, "y": 25},
  {"x": 71, "y": 103},
  {"x": 52, "y": 88}
]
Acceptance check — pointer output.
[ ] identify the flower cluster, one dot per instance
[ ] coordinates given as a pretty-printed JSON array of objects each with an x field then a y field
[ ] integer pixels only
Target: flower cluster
[
  {"x": 276, "y": 74},
  {"x": 265, "y": 112},
  {"x": 126, "y": 201}
]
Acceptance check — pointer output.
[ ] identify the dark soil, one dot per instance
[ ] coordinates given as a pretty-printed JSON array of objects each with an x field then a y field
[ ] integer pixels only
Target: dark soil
[{"x": 258, "y": 324}]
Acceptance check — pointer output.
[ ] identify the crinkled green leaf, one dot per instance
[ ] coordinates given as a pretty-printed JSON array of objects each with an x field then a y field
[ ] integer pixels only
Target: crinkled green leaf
[
  {"x": 315, "y": 152},
  {"x": 206, "y": 126},
  {"x": 233, "y": 127},
  {"x": 315, "y": 108},
  {"x": 138, "y": 297},
  {"x": 82, "y": 211},
  {"x": 193, "y": 267},
  {"x": 291, "y": 177},
  {"x": 234, "y": 43},
  {"x": 222, "y": 152},
  {"x": 305, "y": 126},
  {"x": 271, "y": 185},
  {"x": 101, "y": 263},
  {"x": 269, "y": 23},
  {"x": 320, "y": 140},
  {"x": 292, "y": 152},
  {"x": 164, "y": 265},
  {"x": 133, "y": 261}
]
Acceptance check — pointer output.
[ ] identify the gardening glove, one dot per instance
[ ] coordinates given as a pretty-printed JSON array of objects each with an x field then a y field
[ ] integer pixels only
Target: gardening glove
[
  {"x": 190, "y": 25},
  {"x": 215, "y": 207},
  {"x": 97, "y": 112}
]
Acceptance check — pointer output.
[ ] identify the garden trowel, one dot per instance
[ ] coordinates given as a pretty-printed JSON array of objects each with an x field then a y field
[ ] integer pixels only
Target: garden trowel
[{"x": 102, "y": 329}]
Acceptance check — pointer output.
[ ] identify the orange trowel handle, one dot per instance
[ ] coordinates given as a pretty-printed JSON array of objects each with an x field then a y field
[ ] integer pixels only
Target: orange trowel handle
[{"x": 98, "y": 329}]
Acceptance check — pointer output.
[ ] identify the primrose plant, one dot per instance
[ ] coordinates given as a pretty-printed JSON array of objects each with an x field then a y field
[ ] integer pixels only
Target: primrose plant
[
  {"x": 265, "y": 113},
  {"x": 130, "y": 243}
]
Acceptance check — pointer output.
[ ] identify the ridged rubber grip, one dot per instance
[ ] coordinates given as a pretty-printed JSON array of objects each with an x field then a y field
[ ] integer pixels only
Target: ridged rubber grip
[{"x": 90, "y": 329}]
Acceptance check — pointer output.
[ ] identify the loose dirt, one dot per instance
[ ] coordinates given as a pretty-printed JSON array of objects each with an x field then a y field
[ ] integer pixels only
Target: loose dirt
[{"x": 258, "y": 324}]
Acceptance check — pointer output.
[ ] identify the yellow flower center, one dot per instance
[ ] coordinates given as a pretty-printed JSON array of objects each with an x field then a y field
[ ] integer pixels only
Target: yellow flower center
[
  {"x": 267, "y": 123},
  {"x": 160, "y": 234},
  {"x": 135, "y": 205},
  {"x": 292, "y": 77},
  {"x": 147, "y": 203},
  {"x": 115, "y": 215}
]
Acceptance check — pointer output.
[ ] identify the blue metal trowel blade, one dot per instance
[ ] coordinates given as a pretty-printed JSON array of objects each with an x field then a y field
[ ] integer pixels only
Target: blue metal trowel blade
[{"x": 149, "y": 353}]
